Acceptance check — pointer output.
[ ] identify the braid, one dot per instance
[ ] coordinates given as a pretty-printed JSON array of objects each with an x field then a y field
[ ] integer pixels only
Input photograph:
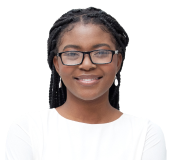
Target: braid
[{"x": 58, "y": 96}]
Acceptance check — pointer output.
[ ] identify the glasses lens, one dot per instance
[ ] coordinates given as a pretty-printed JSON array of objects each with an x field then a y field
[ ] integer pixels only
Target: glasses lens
[
  {"x": 75, "y": 58},
  {"x": 72, "y": 57},
  {"x": 101, "y": 56}
]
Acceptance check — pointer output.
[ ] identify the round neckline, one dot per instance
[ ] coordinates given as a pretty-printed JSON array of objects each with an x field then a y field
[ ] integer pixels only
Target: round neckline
[{"x": 98, "y": 124}]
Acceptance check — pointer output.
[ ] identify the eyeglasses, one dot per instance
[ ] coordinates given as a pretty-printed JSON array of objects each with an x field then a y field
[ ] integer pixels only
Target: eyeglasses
[{"x": 71, "y": 58}]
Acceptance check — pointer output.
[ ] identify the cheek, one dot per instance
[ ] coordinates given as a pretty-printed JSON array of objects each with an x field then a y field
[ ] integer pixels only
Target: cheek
[
  {"x": 66, "y": 73},
  {"x": 110, "y": 68},
  {"x": 63, "y": 69},
  {"x": 110, "y": 72}
]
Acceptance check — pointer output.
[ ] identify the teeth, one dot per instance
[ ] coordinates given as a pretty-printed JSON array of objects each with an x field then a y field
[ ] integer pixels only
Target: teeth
[{"x": 88, "y": 79}]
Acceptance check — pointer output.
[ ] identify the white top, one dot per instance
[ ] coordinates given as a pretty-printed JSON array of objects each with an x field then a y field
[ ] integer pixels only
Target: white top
[{"x": 46, "y": 135}]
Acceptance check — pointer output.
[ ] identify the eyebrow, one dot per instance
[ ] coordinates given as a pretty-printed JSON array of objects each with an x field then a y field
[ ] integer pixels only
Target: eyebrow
[{"x": 78, "y": 47}]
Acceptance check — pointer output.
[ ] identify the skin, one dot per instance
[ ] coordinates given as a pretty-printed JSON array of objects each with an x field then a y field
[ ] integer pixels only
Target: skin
[{"x": 88, "y": 104}]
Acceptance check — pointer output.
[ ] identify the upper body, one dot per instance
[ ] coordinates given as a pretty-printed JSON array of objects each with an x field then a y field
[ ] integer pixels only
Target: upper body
[
  {"x": 48, "y": 135},
  {"x": 86, "y": 50}
]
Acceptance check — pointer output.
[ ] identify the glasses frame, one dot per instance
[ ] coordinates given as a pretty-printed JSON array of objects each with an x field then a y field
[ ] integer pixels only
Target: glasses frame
[{"x": 113, "y": 52}]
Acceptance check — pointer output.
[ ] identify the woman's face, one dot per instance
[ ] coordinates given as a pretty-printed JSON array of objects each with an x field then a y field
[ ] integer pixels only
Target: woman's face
[{"x": 87, "y": 38}]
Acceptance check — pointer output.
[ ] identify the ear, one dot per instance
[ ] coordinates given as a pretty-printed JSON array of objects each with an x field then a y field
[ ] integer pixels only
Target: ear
[
  {"x": 55, "y": 62},
  {"x": 119, "y": 61}
]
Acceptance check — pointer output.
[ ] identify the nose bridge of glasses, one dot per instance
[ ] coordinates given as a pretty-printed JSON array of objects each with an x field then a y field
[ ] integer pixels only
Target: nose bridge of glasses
[{"x": 87, "y": 56}]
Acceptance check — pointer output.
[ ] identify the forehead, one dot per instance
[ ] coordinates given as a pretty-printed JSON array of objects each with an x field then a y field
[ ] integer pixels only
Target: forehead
[{"x": 85, "y": 36}]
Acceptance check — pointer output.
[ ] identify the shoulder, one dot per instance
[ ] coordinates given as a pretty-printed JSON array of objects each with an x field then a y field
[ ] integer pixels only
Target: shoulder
[
  {"x": 141, "y": 123},
  {"x": 32, "y": 120},
  {"x": 135, "y": 122},
  {"x": 152, "y": 131},
  {"x": 27, "y": 133}
]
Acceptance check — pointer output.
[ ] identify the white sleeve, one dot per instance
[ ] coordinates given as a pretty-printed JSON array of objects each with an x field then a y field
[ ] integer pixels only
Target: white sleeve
[
  {"x": 18, "y": 143},
  {"x": 154, "y": 147}
]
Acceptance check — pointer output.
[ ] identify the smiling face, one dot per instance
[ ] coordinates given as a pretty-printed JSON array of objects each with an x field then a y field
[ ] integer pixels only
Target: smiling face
[{"x": 87, "y": 38}]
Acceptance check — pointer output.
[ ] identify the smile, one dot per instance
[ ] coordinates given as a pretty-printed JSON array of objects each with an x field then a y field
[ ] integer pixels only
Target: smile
[{"x": 88, "y": 82}]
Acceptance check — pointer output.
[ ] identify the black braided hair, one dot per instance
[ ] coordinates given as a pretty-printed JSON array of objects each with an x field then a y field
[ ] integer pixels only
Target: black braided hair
[{"x": 58, "y": 96}]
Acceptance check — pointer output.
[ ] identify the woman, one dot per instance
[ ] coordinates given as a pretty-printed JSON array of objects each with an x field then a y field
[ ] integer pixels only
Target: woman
[{"x": 86, "y": 50}]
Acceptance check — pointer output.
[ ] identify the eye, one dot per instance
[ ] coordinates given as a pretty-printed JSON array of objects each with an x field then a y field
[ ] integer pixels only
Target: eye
[{"x": 71, "y": 54}]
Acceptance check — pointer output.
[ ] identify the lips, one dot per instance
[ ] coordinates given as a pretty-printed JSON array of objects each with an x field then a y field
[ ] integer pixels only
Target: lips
[
  {"x": 88, "y": 77},
  {"x": 88, "y": 80}
]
